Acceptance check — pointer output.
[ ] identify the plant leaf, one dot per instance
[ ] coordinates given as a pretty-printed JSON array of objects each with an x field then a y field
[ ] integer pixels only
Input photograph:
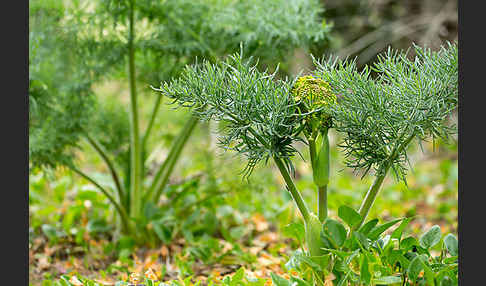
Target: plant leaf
[
  {"x": 387, "y": 280},
  {"x": 376, "y": 231},
  {"x": 295, "y": 230},
  {"x": 279, "y": 281},
  {"x": 365, "y": 271},
  {"x": 397, "y": 233},
  {"x": 349, "y": 215},
  {"x": 414, "y": 268},
  {"x": 431, "y": 237},
  {"x": 237, "y": 277},
  {"x": 335, "y": 231},
  {"x": 451, "y": 244},
  {"x": 367, "y": 227}
]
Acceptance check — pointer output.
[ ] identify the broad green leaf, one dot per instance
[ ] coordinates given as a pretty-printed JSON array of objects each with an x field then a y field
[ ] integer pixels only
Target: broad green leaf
[
  {"x": 408, "y": 243},
  {"x": 414, "y": 268},
  {"x": 361, "y": 239},
  {"x": 326, "y": 242},
  {"x": 387, "y": 280},
  {"x": 310, "y": 262},
  {"x": 335, "y": 231},
  {"x": 376, "y": 231},
  {"x": 428, "y": 272},
  {"x": 279, "y": 281},
  {"x": 367, "y": 227},
  {"x": 397, "y": 256},
  {"x": 295, "y": 230},
  {"x": 349, "y": 215},
  {"x": 431, "y": 237},
  {"x": 237, "y": 277},
  {"x": 449, "y": 260},
  {"x": 451, "y": 244},
  {"x": 295, "y": 281},
  {"x": 365, "y": 271},
  {"x": 397, "y": 233}
]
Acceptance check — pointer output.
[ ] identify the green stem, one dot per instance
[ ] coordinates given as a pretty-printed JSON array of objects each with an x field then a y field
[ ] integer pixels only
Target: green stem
[
  {"x": 371, "y": 196},
  {"x": 375, "y": 187},
  {"x": 120, "y": 210},
  {"x": 152, "y": 119},
  {"x": 322, "y": 203},
  {"x": 164, "y": 172},
  {"x": 136, "y": 154},
  {"x": 320, "y": 170},
  {"x": 299, "y": 201},
  {"x": 312, "y": 150},
  {"x": 102, "y": 152}
]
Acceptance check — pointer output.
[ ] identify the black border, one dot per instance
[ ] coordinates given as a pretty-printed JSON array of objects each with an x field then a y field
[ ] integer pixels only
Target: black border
[
  {"x": 471, "y": 144},
  {"x": 14, "y": 160}
]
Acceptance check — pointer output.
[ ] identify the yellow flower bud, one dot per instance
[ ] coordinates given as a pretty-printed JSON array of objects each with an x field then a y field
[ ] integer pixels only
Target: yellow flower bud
[{"x": 314, "y": 92}]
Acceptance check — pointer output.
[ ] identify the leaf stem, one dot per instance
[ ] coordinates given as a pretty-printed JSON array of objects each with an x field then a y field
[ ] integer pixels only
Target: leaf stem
[
  {"x": 371, "y": 195},
  {"x": 120, "y": 210},
  {"x": 102, "y": 152},
  {"x": 162, "y": 176},
  {"x": 152, "y": 119},
  {"x": 375, "y": 187},
  {"x": 299, "y": 201}
]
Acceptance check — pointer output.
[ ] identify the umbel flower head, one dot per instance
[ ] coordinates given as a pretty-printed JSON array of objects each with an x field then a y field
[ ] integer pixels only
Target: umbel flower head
[{"x": 314, "y": 97}]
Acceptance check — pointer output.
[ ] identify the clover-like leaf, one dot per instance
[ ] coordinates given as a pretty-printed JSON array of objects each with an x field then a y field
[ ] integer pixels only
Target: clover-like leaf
[{"x": 431, "y": 237}]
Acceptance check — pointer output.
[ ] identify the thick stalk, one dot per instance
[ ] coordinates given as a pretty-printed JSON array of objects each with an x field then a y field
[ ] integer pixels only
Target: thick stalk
[
  {"x": 296, "y": 196},
  {"x": 375, "y": 187},
  {"x": 312, "y": 150},
  {"x": 119, "y": 209},
  {"x": 371, "y": 196},
  {"x": 320, "y": 171},
  {"x": 322, "y": 203},
  {"x": 102, "y": 152},
  {"x": 163, "y": 174},
  {"x": 136, "y": 154}
]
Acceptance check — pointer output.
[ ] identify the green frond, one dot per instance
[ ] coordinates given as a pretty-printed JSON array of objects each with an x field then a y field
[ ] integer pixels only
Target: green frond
[
  {"x": 258, "y": 110},
  {"x": 379, "y": 116}
]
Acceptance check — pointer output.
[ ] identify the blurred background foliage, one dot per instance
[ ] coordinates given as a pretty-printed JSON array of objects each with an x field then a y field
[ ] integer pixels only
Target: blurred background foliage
[
  {"x": 363, "y": 29},
  {"x": 206, "y": 193}
]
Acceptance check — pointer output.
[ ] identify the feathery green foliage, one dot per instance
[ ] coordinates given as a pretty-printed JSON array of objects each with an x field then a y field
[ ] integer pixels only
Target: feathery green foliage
[
  {"x": 259, "y": 110},
  {"x": 379, "y": 116},
  {"x": 83, "y": 43},
  {"x": 408, "y": 99}
]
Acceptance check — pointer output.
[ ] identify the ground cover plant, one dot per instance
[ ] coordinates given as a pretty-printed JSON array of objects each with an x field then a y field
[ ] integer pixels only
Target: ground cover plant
[
  {"x": 79, "y": 44},
  {"x": 378, "y": 116},
  {"x": 257, "y": 215}
]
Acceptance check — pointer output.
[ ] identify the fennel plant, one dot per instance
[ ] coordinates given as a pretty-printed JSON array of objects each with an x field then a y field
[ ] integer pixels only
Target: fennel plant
[
  {"x": 76, "y": 46},
  {"x": 378, "y": 117}
]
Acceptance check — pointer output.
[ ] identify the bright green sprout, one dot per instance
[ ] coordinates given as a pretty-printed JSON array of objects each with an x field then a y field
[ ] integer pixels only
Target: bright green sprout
[{"x": 315, "y": 97}]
